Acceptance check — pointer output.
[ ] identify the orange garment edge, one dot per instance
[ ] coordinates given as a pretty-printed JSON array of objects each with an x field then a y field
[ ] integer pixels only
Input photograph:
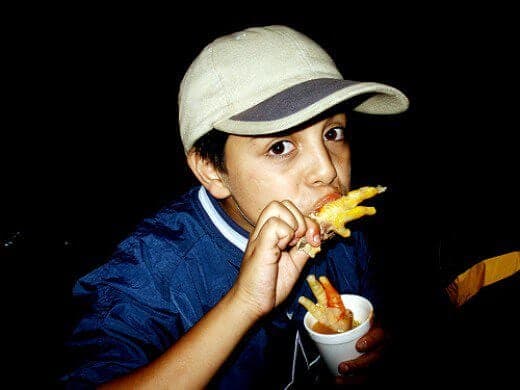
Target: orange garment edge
[{"x": 482, "y": 274}]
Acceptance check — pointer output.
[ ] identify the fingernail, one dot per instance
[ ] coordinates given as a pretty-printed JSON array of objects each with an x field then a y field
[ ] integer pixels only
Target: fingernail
[{"x": 316, "y": 238}]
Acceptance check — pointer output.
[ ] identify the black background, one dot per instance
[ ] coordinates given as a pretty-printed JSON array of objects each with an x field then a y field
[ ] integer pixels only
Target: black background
[{"x": 90, "y": 148}]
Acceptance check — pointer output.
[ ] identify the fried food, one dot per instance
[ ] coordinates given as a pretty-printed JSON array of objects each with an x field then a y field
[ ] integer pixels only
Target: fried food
[
  {"x": 333, "y": 216},
  {"x": 329, "y": 309}
]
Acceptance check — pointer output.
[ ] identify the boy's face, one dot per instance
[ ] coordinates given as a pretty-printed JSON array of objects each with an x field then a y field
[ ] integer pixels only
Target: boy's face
[{"x": 302, "y": 166}]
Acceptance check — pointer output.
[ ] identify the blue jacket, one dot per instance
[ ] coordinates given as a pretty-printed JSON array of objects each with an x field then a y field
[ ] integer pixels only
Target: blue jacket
[{"x": 175, "y": 267}]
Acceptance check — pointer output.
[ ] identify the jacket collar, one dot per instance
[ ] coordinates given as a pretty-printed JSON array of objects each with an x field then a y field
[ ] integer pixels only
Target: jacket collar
[{"x": 225, "y": 225}]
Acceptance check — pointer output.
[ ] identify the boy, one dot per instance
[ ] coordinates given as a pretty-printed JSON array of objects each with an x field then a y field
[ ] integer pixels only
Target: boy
[{"x": 205, "y": 292}]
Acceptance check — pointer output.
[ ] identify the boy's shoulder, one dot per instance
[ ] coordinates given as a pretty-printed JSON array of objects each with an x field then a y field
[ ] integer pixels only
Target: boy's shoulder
[
  {"x": 173, "y": 229},
  {"x": 162, "y": 247},
  {"x": 183, "y": 206},
  {"x": 164, "y": 237}
]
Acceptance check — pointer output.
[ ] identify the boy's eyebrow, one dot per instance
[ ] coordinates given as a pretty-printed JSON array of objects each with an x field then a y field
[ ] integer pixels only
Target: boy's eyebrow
[
  {"x": 335, "y": 122},
  {"x": 252, "y": 140}
]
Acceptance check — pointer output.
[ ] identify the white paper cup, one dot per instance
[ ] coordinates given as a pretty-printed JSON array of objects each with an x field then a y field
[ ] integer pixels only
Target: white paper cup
[{"x": 339, "y": 347}]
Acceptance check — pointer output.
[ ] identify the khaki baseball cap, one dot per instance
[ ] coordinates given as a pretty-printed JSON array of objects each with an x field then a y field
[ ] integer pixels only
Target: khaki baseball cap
[{"x": 268, "y": 79}]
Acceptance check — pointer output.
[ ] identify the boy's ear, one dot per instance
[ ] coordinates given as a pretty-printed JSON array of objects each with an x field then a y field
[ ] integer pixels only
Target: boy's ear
[{"x": 208, "y": 175}]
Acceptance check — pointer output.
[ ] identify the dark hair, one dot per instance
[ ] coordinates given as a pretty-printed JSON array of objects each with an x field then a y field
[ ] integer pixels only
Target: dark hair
[{"x": 211, "y": 147}]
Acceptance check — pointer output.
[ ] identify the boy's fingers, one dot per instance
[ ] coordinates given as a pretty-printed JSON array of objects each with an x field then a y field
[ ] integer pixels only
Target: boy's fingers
[
  {"x": 288, "y": 212},
  {"x": 298, "y": 216},
  {"x": 272, "y": 238},
  {"x": 313, "y": 233},
  {"x": 298, "y": 257},
  {"x": 275, "y": 210}
]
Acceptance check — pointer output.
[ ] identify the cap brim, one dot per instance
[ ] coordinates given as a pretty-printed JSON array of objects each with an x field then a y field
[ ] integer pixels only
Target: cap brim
[{"x": 303, "y": 101}]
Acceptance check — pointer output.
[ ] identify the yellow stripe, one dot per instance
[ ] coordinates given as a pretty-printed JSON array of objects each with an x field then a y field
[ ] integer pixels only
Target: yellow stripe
[{"x": 484, "y": 273}]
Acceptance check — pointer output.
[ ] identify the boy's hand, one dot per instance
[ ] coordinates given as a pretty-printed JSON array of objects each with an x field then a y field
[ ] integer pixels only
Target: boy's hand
[{"x": 272, "y": 263}]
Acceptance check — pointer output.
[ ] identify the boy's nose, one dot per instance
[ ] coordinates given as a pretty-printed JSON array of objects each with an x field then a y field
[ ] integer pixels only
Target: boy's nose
[{"x": 321, "y": 169}]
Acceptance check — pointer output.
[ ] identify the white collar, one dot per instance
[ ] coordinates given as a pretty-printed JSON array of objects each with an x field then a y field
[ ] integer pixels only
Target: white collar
[{"x": 220, "y": 223}]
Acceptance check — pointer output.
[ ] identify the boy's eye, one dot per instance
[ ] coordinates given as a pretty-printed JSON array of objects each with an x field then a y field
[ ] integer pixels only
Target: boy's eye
[
  {"x": 335, "y": 134},
  {"x": 281, "y": 148}
]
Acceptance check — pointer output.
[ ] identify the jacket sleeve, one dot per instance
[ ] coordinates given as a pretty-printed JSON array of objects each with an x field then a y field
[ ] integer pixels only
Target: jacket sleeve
[{"x": 129, "y": 316}]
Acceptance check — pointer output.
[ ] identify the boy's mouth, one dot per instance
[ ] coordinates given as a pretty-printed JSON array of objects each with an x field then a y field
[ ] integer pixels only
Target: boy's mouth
[{"x": 324, "y": 200}]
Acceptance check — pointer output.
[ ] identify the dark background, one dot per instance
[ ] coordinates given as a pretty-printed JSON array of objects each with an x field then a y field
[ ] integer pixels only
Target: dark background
[{"x": 90, "y": 148}]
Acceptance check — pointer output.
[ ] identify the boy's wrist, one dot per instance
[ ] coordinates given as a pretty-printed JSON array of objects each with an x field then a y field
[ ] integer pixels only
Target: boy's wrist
[{"x": 247, "y": 306}]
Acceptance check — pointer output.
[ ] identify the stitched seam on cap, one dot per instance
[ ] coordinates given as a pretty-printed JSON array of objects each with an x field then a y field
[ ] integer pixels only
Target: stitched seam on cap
[
  {"x": 291, "y": 37},
  {"x": 219, "y": 78}
]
